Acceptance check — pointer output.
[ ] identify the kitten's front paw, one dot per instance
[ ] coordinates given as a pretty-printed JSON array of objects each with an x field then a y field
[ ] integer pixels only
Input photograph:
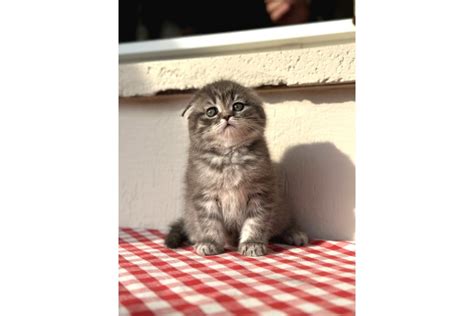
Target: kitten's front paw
[
  {"x": 252, "y": 249},
  {"x": 208, "y": 249}
]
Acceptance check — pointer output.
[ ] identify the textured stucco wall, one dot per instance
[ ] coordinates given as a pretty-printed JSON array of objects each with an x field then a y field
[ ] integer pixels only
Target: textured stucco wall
[
  {"x": 310, "y": 132},
  {"x": 293, "y": 67}
]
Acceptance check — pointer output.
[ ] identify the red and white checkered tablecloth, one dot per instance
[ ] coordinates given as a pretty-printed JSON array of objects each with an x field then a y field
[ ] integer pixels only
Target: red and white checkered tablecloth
[{"x": 318, "y": 279}]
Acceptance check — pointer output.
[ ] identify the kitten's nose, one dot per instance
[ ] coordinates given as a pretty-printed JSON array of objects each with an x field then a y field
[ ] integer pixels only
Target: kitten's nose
[{"x": 227, "y": 117}]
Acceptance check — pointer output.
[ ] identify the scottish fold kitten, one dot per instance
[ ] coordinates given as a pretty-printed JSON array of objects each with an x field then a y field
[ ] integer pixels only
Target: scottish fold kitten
[{"x": 231, "y": 192}]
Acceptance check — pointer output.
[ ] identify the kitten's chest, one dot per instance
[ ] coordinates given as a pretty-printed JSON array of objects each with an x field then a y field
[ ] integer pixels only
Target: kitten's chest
[
  {"x": 230, "y": 172},
  {"x": 232, "y": 180},
  {"x": 233, "y": 205}
]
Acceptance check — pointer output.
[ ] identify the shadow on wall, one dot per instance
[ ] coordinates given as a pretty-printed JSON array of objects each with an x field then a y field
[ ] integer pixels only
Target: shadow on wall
[{"x": 320, "y": 187}]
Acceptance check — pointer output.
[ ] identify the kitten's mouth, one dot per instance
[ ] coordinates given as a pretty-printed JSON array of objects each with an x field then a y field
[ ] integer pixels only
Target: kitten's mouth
[
  {"x": 227, "y": 126},
  {"x": 229, "y": 130}
]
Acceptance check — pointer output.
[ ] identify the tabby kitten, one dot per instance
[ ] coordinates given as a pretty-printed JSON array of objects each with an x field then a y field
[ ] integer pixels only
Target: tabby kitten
[{"x": 231, "y": 193}]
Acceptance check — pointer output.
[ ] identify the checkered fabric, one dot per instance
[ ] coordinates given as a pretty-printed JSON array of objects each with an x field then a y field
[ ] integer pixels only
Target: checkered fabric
[{"x": 318, "y": 279}]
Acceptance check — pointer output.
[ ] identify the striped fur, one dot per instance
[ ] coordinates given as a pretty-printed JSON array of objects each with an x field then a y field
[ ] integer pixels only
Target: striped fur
[{"x": 231, "y": 192}]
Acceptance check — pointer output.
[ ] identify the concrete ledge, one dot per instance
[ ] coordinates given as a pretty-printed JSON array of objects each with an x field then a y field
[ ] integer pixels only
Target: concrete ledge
[
  {"x": 240, "y": 42},
  {"x": 296, "y": 67}
]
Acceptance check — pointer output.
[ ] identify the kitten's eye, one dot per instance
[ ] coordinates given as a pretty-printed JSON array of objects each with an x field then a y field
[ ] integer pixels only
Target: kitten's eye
[
  {"x": 238, "y": 106},
  {"x": 211, "y": 111}
]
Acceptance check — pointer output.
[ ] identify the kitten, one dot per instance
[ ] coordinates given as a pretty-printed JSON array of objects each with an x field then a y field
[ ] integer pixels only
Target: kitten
[{"x": 231, "y": 193}]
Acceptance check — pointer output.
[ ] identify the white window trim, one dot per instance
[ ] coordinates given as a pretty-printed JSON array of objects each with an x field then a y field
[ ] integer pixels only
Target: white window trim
[{"x": 284, "y": 37}]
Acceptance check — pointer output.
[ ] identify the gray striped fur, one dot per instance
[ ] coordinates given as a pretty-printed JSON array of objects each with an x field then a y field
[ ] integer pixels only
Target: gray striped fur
[{"x": 231, "y": 191}]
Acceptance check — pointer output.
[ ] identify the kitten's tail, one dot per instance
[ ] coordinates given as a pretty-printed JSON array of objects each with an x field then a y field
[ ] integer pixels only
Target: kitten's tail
[{"x": 177, "y": 235}]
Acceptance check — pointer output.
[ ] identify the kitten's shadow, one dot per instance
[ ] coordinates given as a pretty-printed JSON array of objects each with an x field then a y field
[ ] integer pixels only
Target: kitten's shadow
[{"x": 320, "y": 189}]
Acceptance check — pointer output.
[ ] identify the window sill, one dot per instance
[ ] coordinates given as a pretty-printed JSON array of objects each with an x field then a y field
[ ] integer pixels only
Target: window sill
[{"x": 307, "y": 54}]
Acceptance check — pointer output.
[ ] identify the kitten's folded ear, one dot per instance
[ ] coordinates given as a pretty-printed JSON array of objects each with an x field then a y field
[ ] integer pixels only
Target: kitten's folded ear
[
  {"x": 187, "y": 108},
  {"x": 190, "y": 105}
]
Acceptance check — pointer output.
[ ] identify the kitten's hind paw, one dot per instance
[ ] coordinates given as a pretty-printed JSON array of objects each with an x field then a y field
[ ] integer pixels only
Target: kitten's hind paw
[
  {"x": 292, "y": 237},
  {"x": 252, "y": 249},
  {"x": 208, "y": 249}
]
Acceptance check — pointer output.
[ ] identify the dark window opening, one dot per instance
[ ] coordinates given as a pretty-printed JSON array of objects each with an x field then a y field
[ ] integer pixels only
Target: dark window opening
[{"x": 147, "y": 20}]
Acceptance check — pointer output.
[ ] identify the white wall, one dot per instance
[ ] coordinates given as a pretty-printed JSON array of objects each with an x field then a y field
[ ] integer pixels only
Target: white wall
[{"x": 310, "y": 131}]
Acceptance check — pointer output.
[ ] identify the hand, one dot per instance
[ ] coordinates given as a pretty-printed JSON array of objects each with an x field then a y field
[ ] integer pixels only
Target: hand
[{"x": 288, "y": 11}]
